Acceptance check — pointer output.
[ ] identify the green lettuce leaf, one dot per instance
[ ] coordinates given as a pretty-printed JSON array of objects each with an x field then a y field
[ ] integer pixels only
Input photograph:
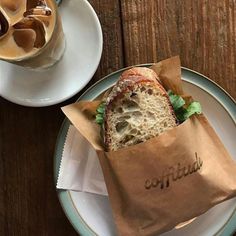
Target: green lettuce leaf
[
  {"x": 176, "y": 100},
  {"x": 193, "y": 108},
  {"x": 182, "y": 113},
  {"x": 100, "y": 113}
]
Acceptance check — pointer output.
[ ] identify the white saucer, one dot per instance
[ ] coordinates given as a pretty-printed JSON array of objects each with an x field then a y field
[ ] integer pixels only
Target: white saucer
[{"x": 79, "y": 63}]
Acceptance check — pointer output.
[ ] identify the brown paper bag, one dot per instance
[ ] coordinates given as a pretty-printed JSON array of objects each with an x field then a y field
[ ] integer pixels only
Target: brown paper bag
[{"x": 155, "y": 185}]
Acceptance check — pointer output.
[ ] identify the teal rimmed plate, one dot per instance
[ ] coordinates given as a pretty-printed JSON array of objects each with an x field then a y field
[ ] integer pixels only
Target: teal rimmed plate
[{"x": 90, "y": 214}]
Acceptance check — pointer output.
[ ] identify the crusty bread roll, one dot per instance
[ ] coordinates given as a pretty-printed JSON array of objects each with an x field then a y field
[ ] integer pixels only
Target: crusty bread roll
[{"x": 137, "y": 109}]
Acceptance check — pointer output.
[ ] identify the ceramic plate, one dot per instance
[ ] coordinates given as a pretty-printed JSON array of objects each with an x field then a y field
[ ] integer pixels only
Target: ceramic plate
[
  {"x": 90, "y": 214},
  {"x": 82, "y": 55}
]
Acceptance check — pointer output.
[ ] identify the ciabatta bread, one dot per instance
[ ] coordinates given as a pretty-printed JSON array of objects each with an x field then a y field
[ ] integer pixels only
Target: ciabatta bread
[{"x": 137, "y": 109}]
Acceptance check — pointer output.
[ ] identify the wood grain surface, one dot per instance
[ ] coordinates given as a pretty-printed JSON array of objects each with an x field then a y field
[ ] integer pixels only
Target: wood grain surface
[{"x": 202, "y": 32}]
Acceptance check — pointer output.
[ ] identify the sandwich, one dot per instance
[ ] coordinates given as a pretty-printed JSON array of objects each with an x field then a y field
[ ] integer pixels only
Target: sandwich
[{"x": 138, "y": 108}]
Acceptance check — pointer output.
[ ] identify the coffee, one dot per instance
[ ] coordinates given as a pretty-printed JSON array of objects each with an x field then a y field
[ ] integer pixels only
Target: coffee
[{"x": 31, "y": 34}]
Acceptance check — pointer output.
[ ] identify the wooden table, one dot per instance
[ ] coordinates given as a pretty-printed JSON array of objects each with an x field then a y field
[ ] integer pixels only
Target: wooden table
[{"x": 202, "y": 32}]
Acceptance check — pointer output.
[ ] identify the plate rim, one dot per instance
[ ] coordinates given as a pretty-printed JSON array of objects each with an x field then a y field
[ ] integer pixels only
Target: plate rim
[
  {"x": 33, "y": 103},
  {"x": 64, "y": 195}
]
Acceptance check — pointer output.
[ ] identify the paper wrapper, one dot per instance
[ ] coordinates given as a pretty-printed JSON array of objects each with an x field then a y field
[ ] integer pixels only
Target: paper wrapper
[
  {"x": 155, "y": 185},
  {"x": 79, "y": 168}
]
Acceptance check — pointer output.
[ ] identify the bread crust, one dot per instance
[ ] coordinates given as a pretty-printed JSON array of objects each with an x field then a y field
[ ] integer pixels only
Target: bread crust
[{"x": 126, "y": 83}]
